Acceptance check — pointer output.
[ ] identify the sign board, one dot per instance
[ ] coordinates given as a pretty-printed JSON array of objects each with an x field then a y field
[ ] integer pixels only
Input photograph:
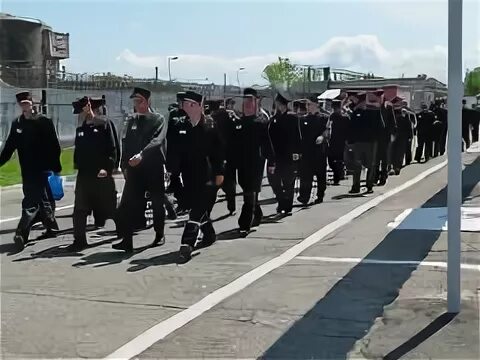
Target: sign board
[{"x": 58, "y": 45}]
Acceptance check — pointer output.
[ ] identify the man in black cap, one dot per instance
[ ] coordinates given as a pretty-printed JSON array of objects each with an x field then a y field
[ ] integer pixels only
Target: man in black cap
[
  {"x": 178, "y": 126},
  {"x": 284, "y": 133},
  {"x": 315, "y": 131},
  {"x": 336, "y": 149},
  {"x": 403, "y": 136},
  {"x": 247, "y": 149},
  {"x": 387, "y": 137},
  {"x": 366, "y": 127},
  {"x": 425, "y": 120},
  {"x": 143, "y": 161},
  {"x": 94, "y": 158},
  {"x": 202, "y": 173},
  {"x": 35, "y": 140}
]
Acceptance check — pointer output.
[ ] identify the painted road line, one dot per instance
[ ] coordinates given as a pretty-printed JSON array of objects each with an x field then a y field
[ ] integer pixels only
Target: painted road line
[
  {"x": 439, "y": 264},
  {"x": 158, "y": 332}
]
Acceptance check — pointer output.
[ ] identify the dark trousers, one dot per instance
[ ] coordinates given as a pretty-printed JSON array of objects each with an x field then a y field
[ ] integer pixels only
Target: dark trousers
[
  {"x": 408, "y": 151},
  {"x": 36, "y": 204},
  {"x": 443, "y": 141},
  {"x": 139, "y": 181},
  {"x": 92, "y": 194},
  {"x": 308, "y": 168},
  {"x": 383, "y": 159},
  {"x": 364, "y": 156},
  {"x": 229, "y": 185},
  {"x": 336, "y": 163},
  {"x": 176, "y": 187},
  {"x": 475, "y": 129},
  {"x": 399, "y": 148},
  {"x": 437, "y": 133},
  {"x": 282, "y": 182},
  {"x": 424, "y": 144},
  {"x": 203, "y": 201}
]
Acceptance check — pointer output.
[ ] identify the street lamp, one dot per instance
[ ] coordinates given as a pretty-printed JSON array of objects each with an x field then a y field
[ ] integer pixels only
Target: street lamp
[
  {"x": 238, "y": 79},
  {"x": 170, "y": 58}
]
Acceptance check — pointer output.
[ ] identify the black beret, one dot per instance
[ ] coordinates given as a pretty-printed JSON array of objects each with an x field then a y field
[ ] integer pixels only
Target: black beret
[
  {"x": 193, "y": 96},
  {"x": 248, "y": 92},
  {"x": 79, "y": 104},
  {"x": 281, "y": 99},
  {"x": 142, "y": 92},
  {"x": 23, "y": 96}
]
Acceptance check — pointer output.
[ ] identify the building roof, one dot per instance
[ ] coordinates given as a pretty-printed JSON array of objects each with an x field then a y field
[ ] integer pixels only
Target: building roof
[{"x": 5, "y": 16}]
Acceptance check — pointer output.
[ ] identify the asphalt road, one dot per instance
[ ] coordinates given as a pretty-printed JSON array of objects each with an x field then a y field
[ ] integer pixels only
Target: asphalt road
[{"x": 331, "y": 281}]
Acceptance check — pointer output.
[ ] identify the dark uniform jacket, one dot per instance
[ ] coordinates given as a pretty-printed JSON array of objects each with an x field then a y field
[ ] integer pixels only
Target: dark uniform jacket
[
  {"x": 311, "y": 127},
  {"x": 204, "y": 155},
  {"x": 339, "y": 124},
  {"x": 285, "y": 136},
  {"x": 178, "y": 126},
  {"x": 145, "y": 134},
  {"x": 425, "y": 120},
  {"x": 36, "y": 143},
  {"x": 95, "y": 147},
  {"x": 388, "y": 117},
  {"x": 365, "y": 126},
  {"x": 404, "y": 125}
]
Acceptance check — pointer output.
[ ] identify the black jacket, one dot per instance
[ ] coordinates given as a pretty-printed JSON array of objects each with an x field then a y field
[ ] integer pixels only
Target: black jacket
[
  {"x": 365, "y": 126},
  {"x": 285, "y": 136},
  {"x": 145, "y": 134},
  {"x": 311, "y": 127},
  {"x": 204, "y": 157},
  {"x": 425, "y": 120},
  {"x": 404, "y": 125},
  {"x": 178, "y": 126},
  {"x": 95, "y": 147},
  {"x": 36, "y": 143},
  {"x": 340, "y": 125}
]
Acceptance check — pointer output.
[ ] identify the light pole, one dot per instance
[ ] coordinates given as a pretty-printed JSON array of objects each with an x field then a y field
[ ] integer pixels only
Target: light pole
[
  {"x": 238, "y": 79},
  {"x": 170, "y": 58},
  {"x": 454, "y": 194}
]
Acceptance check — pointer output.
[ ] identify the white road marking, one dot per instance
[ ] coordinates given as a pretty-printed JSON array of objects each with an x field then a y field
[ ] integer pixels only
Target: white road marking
[
  {"x": 440, "y": 264},
  {"x": 158, "y": 332}
]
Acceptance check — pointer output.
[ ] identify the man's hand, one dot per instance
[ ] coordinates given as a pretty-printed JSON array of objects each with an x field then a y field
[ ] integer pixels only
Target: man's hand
[
  {"x": 271, "y": 170},
  {"x": 319, "y": 140},
  {"x": 218, "y": 180},
  {"x": 102, "y": 173},
  {"x": 135, "y": 160}
]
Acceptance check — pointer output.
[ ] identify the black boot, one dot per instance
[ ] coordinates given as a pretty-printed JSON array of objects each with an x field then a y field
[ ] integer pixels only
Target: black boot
[
  {"x": 159, "y": 240},
  {"x": 126, "y": 244}
]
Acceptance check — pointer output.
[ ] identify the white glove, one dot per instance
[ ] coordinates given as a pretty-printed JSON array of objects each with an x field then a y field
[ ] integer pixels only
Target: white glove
[{"x": 319, "y": 140}]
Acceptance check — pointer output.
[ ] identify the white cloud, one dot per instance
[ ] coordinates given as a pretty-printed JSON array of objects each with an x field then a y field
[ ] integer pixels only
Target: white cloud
[{"x": 362, "y": 53}]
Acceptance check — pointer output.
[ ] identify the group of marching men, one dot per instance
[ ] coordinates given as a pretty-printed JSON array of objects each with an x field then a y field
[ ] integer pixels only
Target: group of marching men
[{"x": 205, "y": 146}]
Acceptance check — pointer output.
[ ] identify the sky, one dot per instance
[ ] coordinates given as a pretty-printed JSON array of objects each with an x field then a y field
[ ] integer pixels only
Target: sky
[{"x": 390, "y": 38}]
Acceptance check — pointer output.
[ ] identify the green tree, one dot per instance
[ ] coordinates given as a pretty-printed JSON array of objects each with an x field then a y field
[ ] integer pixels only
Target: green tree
[
  {"x": 281, "y": 73},
  {"x": 472, "y": 82}
]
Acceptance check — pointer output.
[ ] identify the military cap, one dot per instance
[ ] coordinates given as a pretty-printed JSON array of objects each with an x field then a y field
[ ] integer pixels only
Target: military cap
[
  {"x": 24, "y": 96},
  {"x": 301, "y": 104},
  {"x": 250, "y": 92},
  {"x": 79, "y": 104},
  {"x": 137, "y": 91},
  {"x": 396, "y": 100},
  {"x": 97, "y": 102},
  {"x": 193, "y": 96},
  {"x": 180, "y": 96},
  {"x": 313, "y": 98},
  {"x": 281, "y": 99}
]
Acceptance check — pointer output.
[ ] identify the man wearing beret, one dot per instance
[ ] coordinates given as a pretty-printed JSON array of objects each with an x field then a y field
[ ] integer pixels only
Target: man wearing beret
[
  {"x": 143, "y": 160},
  {"x": 315, "y": 130},
  {"x": 387, "y": 137},
  {"x": 35, "y": 140},
  {"x": 284, "y": 133},
  {"x": 94, "y": 158},
  {"x": 202, "y": 173},
  {"x": 336, "y": 149}
]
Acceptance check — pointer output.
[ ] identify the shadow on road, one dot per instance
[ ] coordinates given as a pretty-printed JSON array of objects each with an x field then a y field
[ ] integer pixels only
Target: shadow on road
[
  {"x": 347, "y": 312},
  {"x": 159, "y": 260},
  {"x": 432, "y": 328}
]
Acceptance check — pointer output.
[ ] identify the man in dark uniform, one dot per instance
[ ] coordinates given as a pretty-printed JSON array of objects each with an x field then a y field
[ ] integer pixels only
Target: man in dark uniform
[
  {"x": 413, "y": 121},
  {"x": 35, "y": 140},
  {"x": 178, "y": 126},
  {"x": 366, "y": 127},
  {"x": 437, "y": 128},
  {"x": 339, "y": 124},
  {"x": 202, "y": 173},
  {"x": 247, "y": 149},
  {"x": 143, "y": 160},
  {"x": 425, "y": 120},
  {"x": 315, "y": 131},
  {"x": 386, "y": 140},
  {"x": 442, "y": 116},
  {"x": 94, "y": 158},
  {"x": 224, "y": 119},
  {"x": 284, "y": 133},
  {"x": 403, "y": 137}
]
